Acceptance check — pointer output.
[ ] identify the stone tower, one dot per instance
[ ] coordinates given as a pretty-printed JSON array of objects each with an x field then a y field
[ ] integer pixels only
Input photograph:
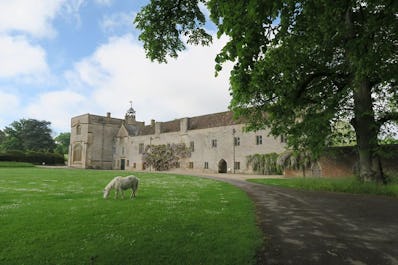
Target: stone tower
[{"x": 92, "y": 141}]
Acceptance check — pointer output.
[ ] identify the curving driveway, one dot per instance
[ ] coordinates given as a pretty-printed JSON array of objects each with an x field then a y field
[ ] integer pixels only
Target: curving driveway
[{"x": 307, "y": 227}]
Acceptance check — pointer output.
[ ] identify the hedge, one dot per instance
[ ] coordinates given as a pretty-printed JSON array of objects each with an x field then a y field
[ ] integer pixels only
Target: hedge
[{"x": 37, "y": 158}]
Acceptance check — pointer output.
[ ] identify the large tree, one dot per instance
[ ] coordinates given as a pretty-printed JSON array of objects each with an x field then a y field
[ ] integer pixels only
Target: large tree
[
  {"x": 300, "y": 67},
  {"x": 28, "y": 135},
  {"x": 2, "y": 137},
  {"x": 62, "y": 143}
]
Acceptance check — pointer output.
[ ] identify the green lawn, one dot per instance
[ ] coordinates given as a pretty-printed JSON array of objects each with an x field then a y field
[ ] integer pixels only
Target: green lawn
[
  {"x": 349, "y": 185},
  {"x": 15, "y": 164},
  {"x": 58, "y": 216}
]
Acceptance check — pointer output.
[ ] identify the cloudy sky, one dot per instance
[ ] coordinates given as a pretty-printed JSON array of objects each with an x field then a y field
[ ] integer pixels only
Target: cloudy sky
[{"x": 63, "y": 58}]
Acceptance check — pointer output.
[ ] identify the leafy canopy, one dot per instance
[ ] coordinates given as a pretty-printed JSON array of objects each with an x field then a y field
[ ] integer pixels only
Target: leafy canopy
[
  {"x": 28, "y": 135},
  {"x": 300, "y": 67},
  {"x": 62, "y": 143},
  {"x": 299, "y": 61},
  {"x": 178, "y": 18}
]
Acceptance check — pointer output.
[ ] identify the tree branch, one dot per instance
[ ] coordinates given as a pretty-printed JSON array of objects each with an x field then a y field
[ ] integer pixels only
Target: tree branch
[{"x": 391, "y": 116}]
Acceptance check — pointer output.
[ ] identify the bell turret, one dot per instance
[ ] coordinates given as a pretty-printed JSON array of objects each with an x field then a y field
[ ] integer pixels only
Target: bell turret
[{"x": 130, "y": 114}]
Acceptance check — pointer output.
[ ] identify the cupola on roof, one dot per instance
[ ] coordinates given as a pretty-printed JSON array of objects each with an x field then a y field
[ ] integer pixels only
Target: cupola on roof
[{"x": 130, "y": 112}]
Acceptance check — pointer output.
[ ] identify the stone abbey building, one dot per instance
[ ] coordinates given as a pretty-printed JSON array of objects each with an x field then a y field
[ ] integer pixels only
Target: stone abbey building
[{"x": 217, "y": 142}]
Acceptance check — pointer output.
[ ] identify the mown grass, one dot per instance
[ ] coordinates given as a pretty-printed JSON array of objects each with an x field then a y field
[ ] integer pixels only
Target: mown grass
[
  {"x": 14, "y": 164},
  {"x": 58, "y": 216},
  {"x": 349, "y": 185}
]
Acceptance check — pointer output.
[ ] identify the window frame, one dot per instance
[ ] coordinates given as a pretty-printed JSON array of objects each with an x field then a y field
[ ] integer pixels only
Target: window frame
[
  {"x": 213, "y": 143},
  {"x": 259, "y": 139}
]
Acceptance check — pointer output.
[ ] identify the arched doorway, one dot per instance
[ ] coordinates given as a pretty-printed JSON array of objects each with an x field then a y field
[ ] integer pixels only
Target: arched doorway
[
  {"x": 77, "y": 153},
  {"x": 222, "y": 166}
]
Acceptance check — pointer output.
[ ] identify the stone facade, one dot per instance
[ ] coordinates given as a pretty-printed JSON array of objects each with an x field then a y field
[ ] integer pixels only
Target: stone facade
[
  {"x": 92, "y": 141},
  {"x": 218, "y": 142}
]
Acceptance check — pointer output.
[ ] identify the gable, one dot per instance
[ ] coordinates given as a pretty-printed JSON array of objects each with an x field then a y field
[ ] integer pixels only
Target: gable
[{"x": 122, "y": 132}]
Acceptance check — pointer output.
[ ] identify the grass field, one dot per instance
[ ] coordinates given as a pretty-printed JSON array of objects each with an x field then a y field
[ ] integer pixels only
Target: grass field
[
  {"x": 15, "y": 164},
  {"x": 349, "y": 185},
  {"x": 58, "y": 216}
]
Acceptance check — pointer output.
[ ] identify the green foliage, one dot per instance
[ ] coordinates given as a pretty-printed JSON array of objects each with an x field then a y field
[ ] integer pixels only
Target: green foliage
[
  {"x": 342, "y": 134},
  {"x": 349, "y": 185},
  {"x": 2, "y": 138},
  {"x": 28, "y": 135},
  {"x": 33, "y": 157},
  {"x": 265, "y": 164},
  {"x": 58, "y": 216},
  {"x": 163, "y": 22},
  {"x": 62, "y": 143},
  {"x": 164, "y": 157},
  {"x": 300, "y": 66},
  {"x": 295, "y": 160},
  {"x": 388, "y": 140}
]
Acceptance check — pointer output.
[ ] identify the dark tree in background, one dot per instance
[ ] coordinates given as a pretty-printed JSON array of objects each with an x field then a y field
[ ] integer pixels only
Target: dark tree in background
[
  {"x": 300, "y": 67},
  {"x": 2, "y": 137},
  {"x": 28, "y": 135},
  {"x": 62, "y": 143}
]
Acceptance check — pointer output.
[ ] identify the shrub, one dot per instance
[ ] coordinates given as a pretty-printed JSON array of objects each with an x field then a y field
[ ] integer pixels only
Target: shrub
[
  {"x": 33, "y": 157},
  {"x": 265, "y": 164}
]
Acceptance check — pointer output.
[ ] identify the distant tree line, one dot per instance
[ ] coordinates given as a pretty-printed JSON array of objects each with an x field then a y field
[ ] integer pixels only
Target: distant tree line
[{"x": 30, "y": 140}]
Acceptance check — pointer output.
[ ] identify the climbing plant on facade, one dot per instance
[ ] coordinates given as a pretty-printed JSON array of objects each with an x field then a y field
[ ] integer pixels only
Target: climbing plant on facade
[
  {"x": 265, "y": 164},
  {"x": 164, "y": 157},
  {"x": 296, "y": 160}
]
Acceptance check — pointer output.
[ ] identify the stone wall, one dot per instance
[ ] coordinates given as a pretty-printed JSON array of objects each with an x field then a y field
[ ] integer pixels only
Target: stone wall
[
  {"x": 206, "y": 156},
  {"x": 342, "y": 162}
]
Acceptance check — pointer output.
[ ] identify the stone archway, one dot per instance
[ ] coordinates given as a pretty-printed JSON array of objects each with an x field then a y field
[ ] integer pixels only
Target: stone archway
[
  {"x": 222, "y": 166},
  {"x": 77, "y": 153}
]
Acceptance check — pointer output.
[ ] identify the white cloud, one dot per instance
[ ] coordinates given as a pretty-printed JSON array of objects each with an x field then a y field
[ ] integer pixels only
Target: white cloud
[
  {"x": 32, "y": 17},
  {"x": 183, "y": 87},
  {"x": 9, "y": 104},
  {"x": 57, "y": 107},
  {"x": 117, "y": 21},
  {"x": 71, "y": 10},
  {"x": 19, "y": 57},
  {"x": 35, "y": 18},
  {"x": 103, "y": 2}
]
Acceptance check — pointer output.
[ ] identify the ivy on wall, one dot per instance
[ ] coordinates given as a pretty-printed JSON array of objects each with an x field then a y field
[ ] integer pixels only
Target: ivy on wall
[
  {"x": 164, "y": 157},
  {"x": 295, "y": 160},
  {"x": 265, "y": 164}
]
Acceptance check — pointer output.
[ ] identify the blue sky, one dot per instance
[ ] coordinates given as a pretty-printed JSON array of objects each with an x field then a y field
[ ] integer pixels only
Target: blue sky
[{"x": 63, "y": 58}]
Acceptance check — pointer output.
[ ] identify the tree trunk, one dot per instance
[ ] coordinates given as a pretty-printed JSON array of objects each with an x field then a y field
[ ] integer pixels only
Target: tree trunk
[
  {"x": 366, "y": 130},
  {"x": 370, "y": 168}
]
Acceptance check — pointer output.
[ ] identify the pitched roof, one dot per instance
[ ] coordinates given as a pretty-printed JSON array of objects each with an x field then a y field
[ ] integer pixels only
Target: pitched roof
[
  {"x": 212, "y": 120},
  {"x": 170, "y": 126},
  {"x": 133, "y": 129},
  {"x": 194, "y": 123}
]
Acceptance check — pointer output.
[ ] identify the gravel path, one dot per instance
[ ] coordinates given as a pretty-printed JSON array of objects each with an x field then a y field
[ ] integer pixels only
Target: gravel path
[{"x": 306, "y": 227}]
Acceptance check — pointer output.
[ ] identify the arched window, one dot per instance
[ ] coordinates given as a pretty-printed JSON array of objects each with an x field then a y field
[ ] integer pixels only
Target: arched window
[
  {"x": 78, "y": 129},
  {"x": 77, "y": 153}
]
